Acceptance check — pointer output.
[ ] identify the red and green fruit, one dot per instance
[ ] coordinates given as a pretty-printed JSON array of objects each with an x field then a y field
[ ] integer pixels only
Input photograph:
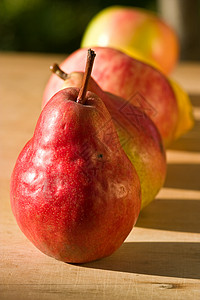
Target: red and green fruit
[
  {"x": 138, "y": 135},
  {"x": 137, "y": 32}
]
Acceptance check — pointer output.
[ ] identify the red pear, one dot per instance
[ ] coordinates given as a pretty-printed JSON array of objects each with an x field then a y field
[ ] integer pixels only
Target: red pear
[{"x": 74, "y": 192}]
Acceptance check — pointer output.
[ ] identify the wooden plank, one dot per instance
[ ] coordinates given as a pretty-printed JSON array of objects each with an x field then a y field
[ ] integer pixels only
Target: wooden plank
[{"x": 160, "y": 258}]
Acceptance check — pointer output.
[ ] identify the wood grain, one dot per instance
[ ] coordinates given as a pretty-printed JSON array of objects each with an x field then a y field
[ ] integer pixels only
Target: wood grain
[{"x": 160, "y": 258}]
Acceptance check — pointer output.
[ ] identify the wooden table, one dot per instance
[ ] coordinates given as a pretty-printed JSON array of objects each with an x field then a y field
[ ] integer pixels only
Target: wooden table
[{"x": 160, "y": 258}]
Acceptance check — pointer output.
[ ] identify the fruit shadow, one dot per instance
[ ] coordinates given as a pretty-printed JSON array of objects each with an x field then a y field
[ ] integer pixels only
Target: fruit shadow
[
  {"x": 183, "y": 176},
  {"x": 189, "y": 141},
  {"x": 173, "y": 215},
  {"x": 171, "y": 259},
  {"x": 195, "y": 100}
]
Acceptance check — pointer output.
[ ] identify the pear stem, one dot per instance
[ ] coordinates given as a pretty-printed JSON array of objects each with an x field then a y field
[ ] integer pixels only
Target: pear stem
[
  {"x": 88, "y": 69},
  {"x": 56, "y": 69}
]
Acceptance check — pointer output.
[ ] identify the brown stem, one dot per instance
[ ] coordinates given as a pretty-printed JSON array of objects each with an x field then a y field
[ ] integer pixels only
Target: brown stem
[
  {"x": 88, "y": 69},
  {"x": 56, "y": 69}
]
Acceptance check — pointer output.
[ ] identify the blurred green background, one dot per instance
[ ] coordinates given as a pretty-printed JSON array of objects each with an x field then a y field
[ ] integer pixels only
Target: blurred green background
[
  {"x": 57, "y": 26},
  {"x": 50, "y": 25}
]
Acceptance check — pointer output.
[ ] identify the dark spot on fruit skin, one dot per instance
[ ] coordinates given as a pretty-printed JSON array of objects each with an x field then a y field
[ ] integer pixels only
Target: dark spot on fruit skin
[{"x": 100, "y": 155}]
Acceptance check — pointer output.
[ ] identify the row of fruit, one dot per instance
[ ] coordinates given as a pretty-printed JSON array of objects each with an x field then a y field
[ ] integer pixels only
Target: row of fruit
[{"x": 97, "y": 155}]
